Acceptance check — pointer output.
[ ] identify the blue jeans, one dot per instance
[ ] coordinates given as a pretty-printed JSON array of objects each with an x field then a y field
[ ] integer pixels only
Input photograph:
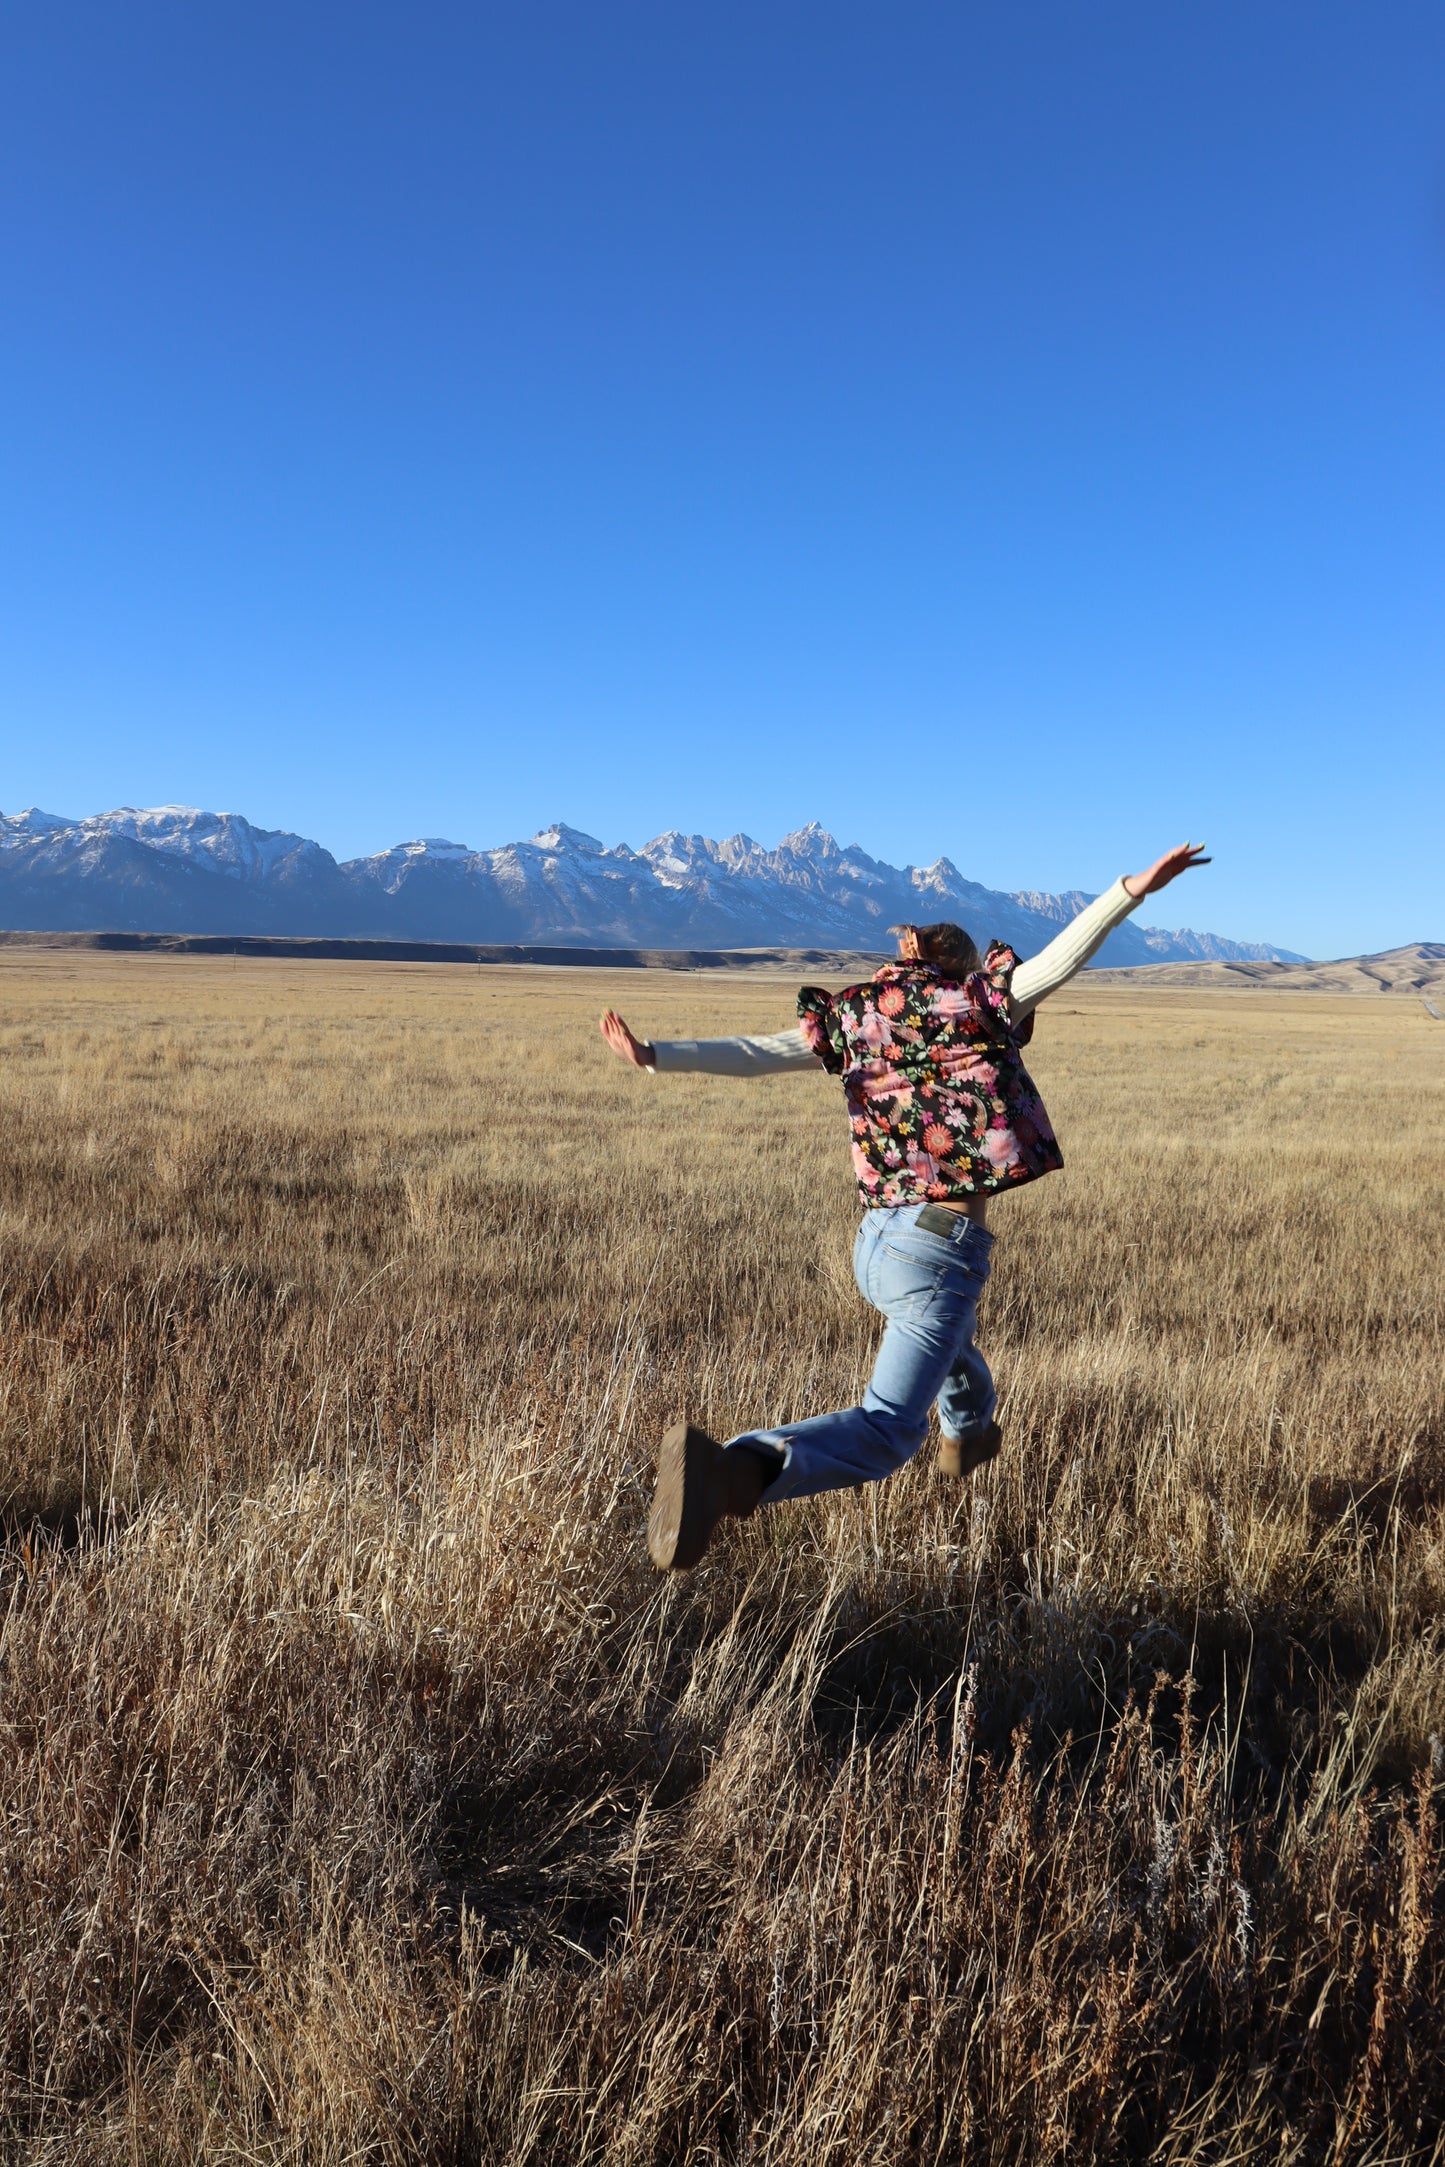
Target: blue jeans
[{"x": 927, "y": 1286}]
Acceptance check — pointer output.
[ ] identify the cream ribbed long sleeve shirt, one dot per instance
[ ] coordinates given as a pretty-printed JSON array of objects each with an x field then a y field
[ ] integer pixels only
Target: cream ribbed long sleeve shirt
[{"x": 1033, "y": 982}]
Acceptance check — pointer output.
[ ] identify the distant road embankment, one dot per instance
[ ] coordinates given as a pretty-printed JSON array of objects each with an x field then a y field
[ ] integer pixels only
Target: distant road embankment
[{"x": 827, "y": 960}]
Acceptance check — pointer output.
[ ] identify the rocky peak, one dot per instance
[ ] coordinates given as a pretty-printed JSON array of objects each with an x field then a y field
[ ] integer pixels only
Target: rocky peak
[{"x": 560, "y": 837}]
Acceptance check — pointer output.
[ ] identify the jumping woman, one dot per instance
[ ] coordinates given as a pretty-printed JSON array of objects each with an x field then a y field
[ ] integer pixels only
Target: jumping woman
[{"x": 943, "y": 1115}]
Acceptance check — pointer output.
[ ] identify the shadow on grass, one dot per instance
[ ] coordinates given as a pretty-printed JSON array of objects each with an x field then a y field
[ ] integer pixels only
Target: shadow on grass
[
  {"x": 65, "y": 1526},
  {"x": 1414, "y": 1491}
]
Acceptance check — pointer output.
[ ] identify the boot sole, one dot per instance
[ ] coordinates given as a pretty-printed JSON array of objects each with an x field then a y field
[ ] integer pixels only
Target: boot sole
[{"x": 687, "y": 1503}]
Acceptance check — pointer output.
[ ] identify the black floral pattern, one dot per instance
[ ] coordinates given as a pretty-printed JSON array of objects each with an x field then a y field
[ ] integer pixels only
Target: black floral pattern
[{"x": 940, "y": 1102}]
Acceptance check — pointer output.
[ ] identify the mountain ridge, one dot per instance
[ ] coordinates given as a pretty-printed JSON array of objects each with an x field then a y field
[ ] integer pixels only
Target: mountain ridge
[
  {"x": 180, "y": 869},
  {"x": 1417, "y": 968}
]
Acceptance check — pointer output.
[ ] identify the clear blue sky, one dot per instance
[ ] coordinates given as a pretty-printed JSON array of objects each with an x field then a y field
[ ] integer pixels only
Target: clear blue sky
[{"x": 1014, "y": 432}]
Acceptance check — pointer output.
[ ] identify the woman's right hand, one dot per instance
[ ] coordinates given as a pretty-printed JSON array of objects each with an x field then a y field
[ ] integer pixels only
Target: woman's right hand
[
  {"x": 1158, "y": 875},
  {"x": 623, "y": 1043}
]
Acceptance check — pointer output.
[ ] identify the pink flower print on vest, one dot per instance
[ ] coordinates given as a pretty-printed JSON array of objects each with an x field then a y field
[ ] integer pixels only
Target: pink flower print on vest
[{"x": 940, "y": 1104}]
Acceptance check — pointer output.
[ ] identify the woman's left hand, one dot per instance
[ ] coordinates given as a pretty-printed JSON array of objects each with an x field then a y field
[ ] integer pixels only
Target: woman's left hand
[{"x": 1163, "y": 870}]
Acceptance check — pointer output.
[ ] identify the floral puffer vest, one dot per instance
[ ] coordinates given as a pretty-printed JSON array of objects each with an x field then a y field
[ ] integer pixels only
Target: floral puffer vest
[{"x": 940, "y": 1102}]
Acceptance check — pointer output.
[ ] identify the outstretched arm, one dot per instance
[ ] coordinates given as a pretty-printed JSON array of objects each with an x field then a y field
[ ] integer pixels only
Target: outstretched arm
[
  {"x": 772, "y": 1056},
  {"x": 1085, "y": 935}
]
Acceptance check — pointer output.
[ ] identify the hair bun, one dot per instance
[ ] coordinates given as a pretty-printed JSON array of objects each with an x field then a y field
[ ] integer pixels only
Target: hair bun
[{"x": 948, "y": 947}]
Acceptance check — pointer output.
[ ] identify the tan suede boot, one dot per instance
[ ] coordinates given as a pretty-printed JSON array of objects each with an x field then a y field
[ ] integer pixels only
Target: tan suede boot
[
  {"x": 957, "y": 1459},
  {"x": 698, "y": 1484}
]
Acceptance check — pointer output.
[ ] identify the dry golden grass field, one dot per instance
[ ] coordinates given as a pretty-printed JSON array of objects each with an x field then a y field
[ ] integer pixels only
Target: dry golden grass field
[{"x": 366, "y": 1797}]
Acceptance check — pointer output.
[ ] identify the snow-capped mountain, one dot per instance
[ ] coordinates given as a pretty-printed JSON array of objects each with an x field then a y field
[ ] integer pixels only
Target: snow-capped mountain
[
  {"x": 22, "y": 827},
  {"x": 166, "y": 869},
  {"x": 174, "y": 869},
  {"x": 223, "y": 842}
]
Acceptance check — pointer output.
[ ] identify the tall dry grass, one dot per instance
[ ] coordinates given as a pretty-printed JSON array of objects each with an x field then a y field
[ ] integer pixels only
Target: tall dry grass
[{"x": 364, "y": 1796}]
